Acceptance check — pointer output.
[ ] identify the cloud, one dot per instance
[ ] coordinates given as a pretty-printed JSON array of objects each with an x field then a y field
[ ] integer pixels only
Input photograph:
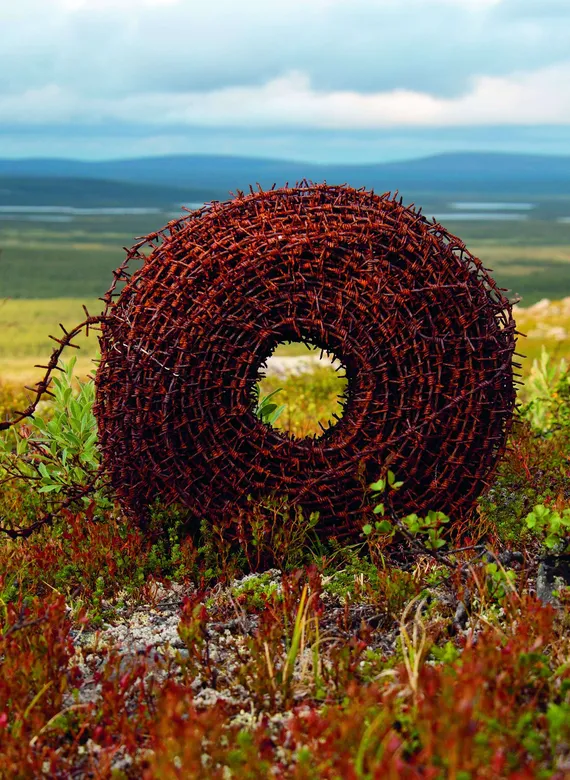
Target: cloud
[
  {"x": 320, "y": 79},
  {"x": 523, "y": 98},
  {"x": 119, "y": 48},
  {"x": 132, "y": 5},
  {"x": 530, "y": 9}
]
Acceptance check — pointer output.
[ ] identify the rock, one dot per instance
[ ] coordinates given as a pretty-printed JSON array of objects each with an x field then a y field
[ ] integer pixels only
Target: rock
[
  {"x": 553, "y": 574},
  {"x": 284, "y": 366},
  {"x": 539, "y": 307}
]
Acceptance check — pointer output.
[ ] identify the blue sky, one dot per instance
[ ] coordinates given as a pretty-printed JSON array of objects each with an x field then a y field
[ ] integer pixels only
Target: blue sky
[{"x": 326, "y": 80}]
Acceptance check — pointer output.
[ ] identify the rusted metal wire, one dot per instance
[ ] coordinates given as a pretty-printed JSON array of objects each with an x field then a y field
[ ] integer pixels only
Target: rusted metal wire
[
  {"x": 425, "y": 336},
  {"x": 424, "y": 333},
  {"x": 41, "y": 388}
]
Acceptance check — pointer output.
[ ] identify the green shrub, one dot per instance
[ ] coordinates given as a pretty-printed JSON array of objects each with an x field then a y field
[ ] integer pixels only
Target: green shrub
[{"x": 58, "y": 453}]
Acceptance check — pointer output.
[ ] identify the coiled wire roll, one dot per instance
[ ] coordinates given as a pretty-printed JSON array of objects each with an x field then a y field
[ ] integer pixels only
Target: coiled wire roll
[{"x": 425, "y": 336}]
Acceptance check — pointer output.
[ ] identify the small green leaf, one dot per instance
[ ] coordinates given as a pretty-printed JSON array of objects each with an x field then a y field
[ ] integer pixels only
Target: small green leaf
[
  {"x": 435, "y": 544},
  {"x": 551, "y": 542},
  {"x": 277, "y": 414},
  {"x": 91, "y": 440}
]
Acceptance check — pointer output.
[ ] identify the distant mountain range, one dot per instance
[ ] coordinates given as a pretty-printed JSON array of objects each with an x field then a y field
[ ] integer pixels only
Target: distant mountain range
[
  {"x": 87, "y": 192},
  {"x": 172, "y": 180}
]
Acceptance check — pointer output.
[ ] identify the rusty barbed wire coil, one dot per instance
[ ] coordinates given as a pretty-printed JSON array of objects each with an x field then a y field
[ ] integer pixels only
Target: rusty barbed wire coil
[{"x": 424, "y": 334}]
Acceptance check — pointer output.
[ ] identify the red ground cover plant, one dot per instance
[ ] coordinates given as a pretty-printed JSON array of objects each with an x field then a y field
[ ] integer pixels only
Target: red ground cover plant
[
  {"x": 36, "y": 672},
  {"x": 497, "y": 706},
  {"x": 363, "y": 661}
]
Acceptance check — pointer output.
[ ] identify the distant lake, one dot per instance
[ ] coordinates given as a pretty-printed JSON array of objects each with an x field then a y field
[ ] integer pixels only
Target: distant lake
[
  {"x": 565, "y": 220},
  {"x": 467, "y": 211},
  {"x": 73, "y": 211},
  {"x": 484, "y": 206},
  {"x": 66, "y": 213},
  {"x": 36, "y": 217},
  {"x": 467, "y": 216}
]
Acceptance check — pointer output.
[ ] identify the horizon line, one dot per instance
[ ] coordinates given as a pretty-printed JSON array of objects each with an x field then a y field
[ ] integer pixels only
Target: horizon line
[{"x": 262, "y": 158}]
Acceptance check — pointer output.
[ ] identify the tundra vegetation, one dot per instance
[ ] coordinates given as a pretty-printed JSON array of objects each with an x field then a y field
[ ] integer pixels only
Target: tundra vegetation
[{"x": 426, "y": 647}]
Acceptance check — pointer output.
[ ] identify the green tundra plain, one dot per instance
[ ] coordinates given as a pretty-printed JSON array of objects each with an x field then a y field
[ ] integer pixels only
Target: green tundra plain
[{"x": 49, "y": 270}]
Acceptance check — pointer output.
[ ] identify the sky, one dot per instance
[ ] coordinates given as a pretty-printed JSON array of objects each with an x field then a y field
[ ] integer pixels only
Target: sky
[{"x": 321, "y": 80}]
